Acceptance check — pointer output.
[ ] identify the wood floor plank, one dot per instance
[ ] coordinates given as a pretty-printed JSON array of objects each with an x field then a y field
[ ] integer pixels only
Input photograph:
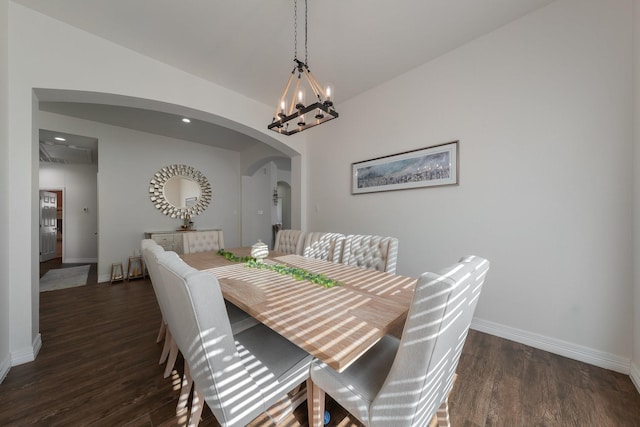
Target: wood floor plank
[
  {"x": 504, "y": 401},
  {"x": 99, "y": 366}
]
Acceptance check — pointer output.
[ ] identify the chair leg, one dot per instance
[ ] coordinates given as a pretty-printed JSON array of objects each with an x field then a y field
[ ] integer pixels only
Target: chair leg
[
  {"x": 197, "y": 405},
  {"x": 185, "y": 389},
  {"x": 279, "y": 410},
  {"x": 443, "y": 415},
  {"x": 171, "y": 360},
  {"x": 167, "y": 346},
  {"x": 315, "y": 404},
  {"x": 161, "y": 332}
]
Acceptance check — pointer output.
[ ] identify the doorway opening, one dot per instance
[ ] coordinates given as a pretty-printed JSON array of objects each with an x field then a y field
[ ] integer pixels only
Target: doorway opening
[{"x": 68, "y": 217}]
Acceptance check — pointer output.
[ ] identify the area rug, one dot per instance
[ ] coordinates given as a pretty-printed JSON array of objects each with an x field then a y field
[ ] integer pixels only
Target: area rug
[{"x": 61, "y": 278}]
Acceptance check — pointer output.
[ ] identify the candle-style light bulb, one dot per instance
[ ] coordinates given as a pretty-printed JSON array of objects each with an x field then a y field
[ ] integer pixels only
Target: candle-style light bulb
[
  {"x": 300, "y": 98},
  {"x": 283, "y": 108},
  {"x": 329, "y": 91}
]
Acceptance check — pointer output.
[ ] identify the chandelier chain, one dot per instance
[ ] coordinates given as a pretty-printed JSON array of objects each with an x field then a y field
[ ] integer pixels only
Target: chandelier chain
[
  {"x": 306, "y": 52},
  {"x": 295, "y": 29},
  {"x": 295, "y": 32}
]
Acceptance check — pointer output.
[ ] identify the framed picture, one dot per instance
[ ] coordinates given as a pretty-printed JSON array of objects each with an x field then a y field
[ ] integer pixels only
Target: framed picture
[
  {"x": 190, "y": 202},
  {"x": 426, "y": 167}
]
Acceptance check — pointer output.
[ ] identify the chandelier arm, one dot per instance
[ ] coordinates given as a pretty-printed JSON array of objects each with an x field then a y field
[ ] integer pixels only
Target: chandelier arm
[
  {"x": 317, "y": 87},
  {"x": 284, "y": 93},
  {"x": 293, "y": 96}
]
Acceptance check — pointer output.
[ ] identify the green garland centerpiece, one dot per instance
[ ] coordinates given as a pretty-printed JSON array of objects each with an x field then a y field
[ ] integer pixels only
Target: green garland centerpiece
[
  {"x": 296, "y": 273},
  {"x": 230, "y": 256}
]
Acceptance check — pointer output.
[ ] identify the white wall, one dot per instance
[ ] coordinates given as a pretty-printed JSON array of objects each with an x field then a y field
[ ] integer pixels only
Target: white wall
[
  {"x": 542, "y": 111},
  {"x": 80, "y": 190},
  {"x": 5, "y": 357},
  {"x": 127, "y": 161},
  {"x": 635, "y": 363},
  {"x": 78, "y": 61}
]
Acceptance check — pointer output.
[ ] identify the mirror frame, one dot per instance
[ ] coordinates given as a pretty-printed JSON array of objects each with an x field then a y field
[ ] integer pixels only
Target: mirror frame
[{"x": 160, "y": 178}]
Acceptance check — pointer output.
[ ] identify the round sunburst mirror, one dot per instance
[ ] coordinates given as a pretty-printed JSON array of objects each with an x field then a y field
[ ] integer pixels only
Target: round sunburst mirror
[{"x": 180, "y": 190}]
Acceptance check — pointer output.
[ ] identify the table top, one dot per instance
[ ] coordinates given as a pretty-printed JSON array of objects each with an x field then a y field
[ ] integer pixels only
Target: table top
[{"x": 337, "y": 324}]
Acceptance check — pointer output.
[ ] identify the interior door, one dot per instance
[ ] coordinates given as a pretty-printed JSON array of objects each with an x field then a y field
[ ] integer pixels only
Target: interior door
[{"x": 48, "y": 225}]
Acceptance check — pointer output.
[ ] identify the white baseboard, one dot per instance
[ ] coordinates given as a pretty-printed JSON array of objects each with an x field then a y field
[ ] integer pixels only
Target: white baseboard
[
  {"x": 635, "y": 375},
  {"x": 5, "y": 365},
  {"x": 37, "y": 345},
  {"x": 552, "y": 345},
  {"x": 105, "y": 278},
  {"x": 28, "y": 354},
  {"x": 80, "y": 260}
]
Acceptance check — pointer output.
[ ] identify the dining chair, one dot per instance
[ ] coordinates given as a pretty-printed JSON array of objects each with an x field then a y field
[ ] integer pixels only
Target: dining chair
[
  {"x": 324, "y": 246},
  {"x": 148, "y": 245},
  {"x": 289, "y": 242},
  {"x": 202, "y": 241},
  {"x": 239, "y": 319},
  {"x": 371, "y": 252},
  {"x": 239, "y": 376},
  {"x": 404, "y": 382}
]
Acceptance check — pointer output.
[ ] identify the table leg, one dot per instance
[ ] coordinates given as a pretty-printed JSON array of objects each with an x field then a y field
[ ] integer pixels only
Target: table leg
[{"x": 315, "y": 404}]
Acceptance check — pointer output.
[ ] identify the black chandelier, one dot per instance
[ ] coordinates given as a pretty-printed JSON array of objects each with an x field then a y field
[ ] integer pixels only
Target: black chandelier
[{"x": 295, "y": 116}]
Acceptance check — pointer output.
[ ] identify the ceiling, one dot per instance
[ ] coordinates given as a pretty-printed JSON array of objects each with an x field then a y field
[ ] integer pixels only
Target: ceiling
[
  {"x": 65, "y": 148},
  {"x": 247, "y": 46},
  {"x": 157, "y": 122}
]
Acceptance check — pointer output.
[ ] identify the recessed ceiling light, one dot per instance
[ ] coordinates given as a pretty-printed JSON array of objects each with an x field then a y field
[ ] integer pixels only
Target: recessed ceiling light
[
  {"x": 186, "y": 120},
  {"x": 59, "y": 138}
]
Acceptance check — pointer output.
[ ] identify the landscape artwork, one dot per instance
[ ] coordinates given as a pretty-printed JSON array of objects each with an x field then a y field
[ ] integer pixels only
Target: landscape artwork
[{"x": 426, "y": 167}]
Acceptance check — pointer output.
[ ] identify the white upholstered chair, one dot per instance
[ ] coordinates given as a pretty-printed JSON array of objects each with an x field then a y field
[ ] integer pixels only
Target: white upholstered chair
[
  {"x": 238, "y": 375},
  {"x": 202, "y": 241},
  {"x": 372, "y": 252},
  {"x": 289, "y": 242},
  {"x": 325, "y": 246},
  {"x": 148, "y": 243},
  {"x": 149, "y": 246},
  {"x": 404, "y": 382},
  {"x": 239, "y": 319}
]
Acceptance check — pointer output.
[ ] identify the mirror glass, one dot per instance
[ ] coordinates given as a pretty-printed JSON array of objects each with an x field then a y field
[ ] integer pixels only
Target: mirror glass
[{"x": 180, "y": 190}]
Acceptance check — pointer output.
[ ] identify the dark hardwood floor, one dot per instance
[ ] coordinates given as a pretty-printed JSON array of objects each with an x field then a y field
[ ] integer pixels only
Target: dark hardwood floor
[{"x": 99, "y": 366}]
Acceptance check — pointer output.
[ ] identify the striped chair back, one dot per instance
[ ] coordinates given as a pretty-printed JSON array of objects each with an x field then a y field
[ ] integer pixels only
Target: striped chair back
[
  {"x": 325, "y": 246},
  {"x": 437, "y": 324}
]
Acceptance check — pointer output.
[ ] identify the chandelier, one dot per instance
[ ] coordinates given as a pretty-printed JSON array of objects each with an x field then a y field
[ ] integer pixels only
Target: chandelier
[{"x": 293, "y": 114}]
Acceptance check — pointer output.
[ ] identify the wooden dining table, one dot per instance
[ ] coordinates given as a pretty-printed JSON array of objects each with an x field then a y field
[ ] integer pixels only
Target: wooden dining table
[{"x": 336, "y": 325}]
